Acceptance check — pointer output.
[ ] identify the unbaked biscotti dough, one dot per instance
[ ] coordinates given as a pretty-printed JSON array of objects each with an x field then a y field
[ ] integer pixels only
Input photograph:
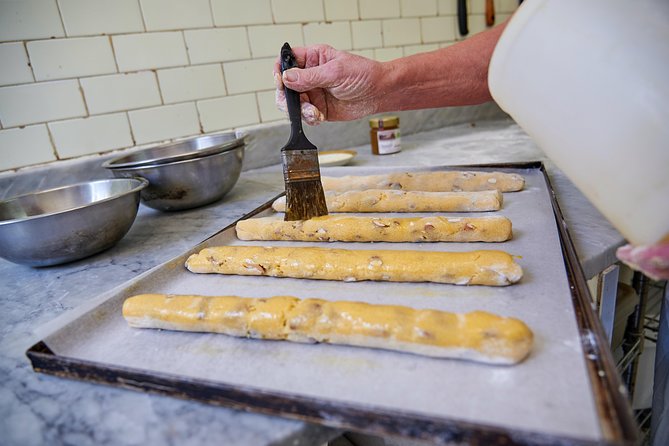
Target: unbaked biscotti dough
[
  {"x": 495, "y": 268},
  {"x": 347, "y": 228},
  {"x": 478, "y": 336},
  {"x": 444, "y": 181},
  {"x": 380, "y": 200}
]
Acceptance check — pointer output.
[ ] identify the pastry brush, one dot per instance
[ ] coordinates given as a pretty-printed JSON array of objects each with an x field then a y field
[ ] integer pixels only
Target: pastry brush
[{"x": 301, "y": 173}]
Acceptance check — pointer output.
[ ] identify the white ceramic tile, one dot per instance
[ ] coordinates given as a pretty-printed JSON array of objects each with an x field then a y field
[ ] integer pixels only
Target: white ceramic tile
[
  {"x": 217, "y": 45},
  {"x": 14, "y": 68},
  {"x": 386, "y": 54},
  {"x": 228, "y": 112},
  {"x": 336, "y": 34},
  {"x": 476, "y": 23},
  {"x": 291, "y": 11},
  {"x": 94, "y": 134},
  {"x": 401, "y": 32},
  {"x": 63, "y": 58},
  {"x": 417, "y": 49},
  {"x": 341, "y": 10},
  {"x": 119, "y": 92},
  {"x": 246, "y": 12},
  {"x": 438, "y": 29},
  {"x": 476, "y": 6},
  {"x": 162, "y": 123},
  {"x": 367, "y": 34},
  {"x": 447, "y": 7},
  {"x": 369, "y": 54},
  {"x": 267, "y": 106},
  {"x": 29, "y": 19},
  {"x": 150, "y": 50},
  {"x": 379, "y": 9},
  {"x": 25, "y": 146},
  {"x": 249, "y": 75},
  {"x": 93, "y": 17},
  {"x": 418, "y": 8},
  {"x": 502, "y": 17},
  {"x": 266, "y": 40},
  {"x": 41, "y": 102},
  {"x": 190, "y": 83},
  {"x": 160, "y": 15},
  {"x": 506, "y": 6}
]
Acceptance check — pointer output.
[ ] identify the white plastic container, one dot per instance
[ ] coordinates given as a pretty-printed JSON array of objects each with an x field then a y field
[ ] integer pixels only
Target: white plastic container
[{"x": 588, "y": 80}]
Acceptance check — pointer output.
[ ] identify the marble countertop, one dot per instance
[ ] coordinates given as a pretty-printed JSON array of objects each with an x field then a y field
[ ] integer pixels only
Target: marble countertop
[{"x": 41, "y": 409}]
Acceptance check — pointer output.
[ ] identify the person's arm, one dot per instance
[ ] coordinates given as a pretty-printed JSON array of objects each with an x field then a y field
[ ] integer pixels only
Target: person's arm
[{"x": 339, "y": 86}]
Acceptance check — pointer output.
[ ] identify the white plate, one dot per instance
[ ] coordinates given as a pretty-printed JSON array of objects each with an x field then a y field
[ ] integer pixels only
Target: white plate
[{"x": 329, "y": 158}]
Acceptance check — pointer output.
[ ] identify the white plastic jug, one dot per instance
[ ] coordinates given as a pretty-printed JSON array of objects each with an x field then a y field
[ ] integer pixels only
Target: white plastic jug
[{"x": 588, "y": 80}]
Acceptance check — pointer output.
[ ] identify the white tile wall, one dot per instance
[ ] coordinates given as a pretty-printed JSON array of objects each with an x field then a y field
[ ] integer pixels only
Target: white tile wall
[
  {"x": 29, "y": 19},
  {"x": 93, "y": 17},
  {"x": 245, "y": 12},
  {"x": 175, "y": 68},
  {"x": 386, "y": 54},
  {"x": 24, "y": 146},
  {"x": 438, "y": 29},
  {"x": 419, "y": 8},
  {"x": 190, "y": 83},
  {"x": 266, "y": 40},
  {"x": 14, "y": 68},
  {"x": 267, "y": 107},
  {"x": 286, "y": 11},
  {"x": 161, "y": 15},
  {"x": 41, "y": 102},
  {"x": 367, "y": 34},
  {"x": 249, "y": 75},
  {"x": 95, "y": 134},
  {"x": 401, "y": 32},
  {"x": 118, "y": 92},
  {"x": 341, "y": 10},
  {"x": 447, "y": 7},
  {"x": 217, "y": 45},
  {"x": 379, "y": 9},
  {"x": 63, "y": 58},
  {"x": 228, "y": 112},
  {"x": 337, "y": 34},
  {"x": 163, "y": 123},
  {"x": 151, "y": 50}
]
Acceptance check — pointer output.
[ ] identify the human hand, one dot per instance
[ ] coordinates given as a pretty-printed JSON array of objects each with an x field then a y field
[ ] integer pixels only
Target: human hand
[
  {"x": 652, "y": 260},
  {"x": 334, "y": 85}
]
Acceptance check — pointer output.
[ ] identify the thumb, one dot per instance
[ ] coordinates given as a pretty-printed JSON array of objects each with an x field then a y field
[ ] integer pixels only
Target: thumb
[{"x": 306, "y": 79}]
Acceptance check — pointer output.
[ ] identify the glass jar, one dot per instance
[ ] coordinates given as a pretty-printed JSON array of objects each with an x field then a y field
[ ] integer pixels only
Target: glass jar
[{"x": 384, "y": 135}]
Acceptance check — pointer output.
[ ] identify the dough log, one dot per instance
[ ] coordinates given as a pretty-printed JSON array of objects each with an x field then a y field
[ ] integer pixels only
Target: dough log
[
  {"x": 477, "y": 336},
  {"x": 495, "y": 268},
  {"x": 443, "y": 181},
  {"x": 379, "y": 200},
  {"x": 346, "y": 228}
]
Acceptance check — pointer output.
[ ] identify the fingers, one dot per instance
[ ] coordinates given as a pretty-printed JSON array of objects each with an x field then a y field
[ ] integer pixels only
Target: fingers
[
  {"x": 653, "y": 261},
  {"x": 305, "y": 79},
  {"x": 310, "y": 113}
]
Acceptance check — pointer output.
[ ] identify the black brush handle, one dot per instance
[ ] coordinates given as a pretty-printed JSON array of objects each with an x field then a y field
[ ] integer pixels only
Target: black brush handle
[
  {"x": 462, "y": 17},
  {"x": 297, "y": 137}
]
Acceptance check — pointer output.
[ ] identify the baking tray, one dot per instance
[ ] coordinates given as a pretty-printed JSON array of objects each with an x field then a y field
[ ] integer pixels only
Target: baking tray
[{"x": 567, "y": 391}]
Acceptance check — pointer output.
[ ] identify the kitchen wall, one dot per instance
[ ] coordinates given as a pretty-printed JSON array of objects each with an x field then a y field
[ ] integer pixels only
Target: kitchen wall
[{"x": 80, "y": 77}]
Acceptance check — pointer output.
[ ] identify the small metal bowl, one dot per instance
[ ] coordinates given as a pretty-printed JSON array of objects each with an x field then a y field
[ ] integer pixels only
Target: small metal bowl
[
  {"x": 190, "y": 183},
  {"x": 178, "y": 151},
  {"x": 68, "y": 223}
]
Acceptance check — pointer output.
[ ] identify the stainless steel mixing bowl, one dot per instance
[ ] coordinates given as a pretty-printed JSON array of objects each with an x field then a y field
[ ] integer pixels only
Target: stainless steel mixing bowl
[
  {"x": 179, "y": 151},
  {"x": 68, "y": 223},
  {"x": 190, "y": 183}
]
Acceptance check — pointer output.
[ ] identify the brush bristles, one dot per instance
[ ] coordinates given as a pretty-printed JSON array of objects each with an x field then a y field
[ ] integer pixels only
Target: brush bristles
[{"x": 305, "y": 200}]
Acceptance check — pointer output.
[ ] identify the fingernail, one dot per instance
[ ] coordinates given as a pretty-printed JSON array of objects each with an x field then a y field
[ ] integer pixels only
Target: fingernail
[{"x": 290, "y": 75}]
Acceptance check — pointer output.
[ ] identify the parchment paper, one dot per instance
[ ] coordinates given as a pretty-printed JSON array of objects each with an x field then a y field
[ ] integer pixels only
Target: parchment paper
[{"x": 549, "y": 392}]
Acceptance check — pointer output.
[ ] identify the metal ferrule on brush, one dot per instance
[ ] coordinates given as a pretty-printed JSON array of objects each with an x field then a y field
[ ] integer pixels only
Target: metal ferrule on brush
[{"x": 300, "y": 165}]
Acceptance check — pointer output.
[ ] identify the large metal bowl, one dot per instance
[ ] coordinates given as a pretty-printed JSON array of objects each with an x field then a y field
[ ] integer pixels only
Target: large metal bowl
[
  {"x": 68, "y": 223},
  {"x": 190, "y": 183},
  {"x": 179, "y": 151}
]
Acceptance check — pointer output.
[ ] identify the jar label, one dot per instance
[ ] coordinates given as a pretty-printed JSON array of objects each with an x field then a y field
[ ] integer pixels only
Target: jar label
[{"x": 389, "y": 141}]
